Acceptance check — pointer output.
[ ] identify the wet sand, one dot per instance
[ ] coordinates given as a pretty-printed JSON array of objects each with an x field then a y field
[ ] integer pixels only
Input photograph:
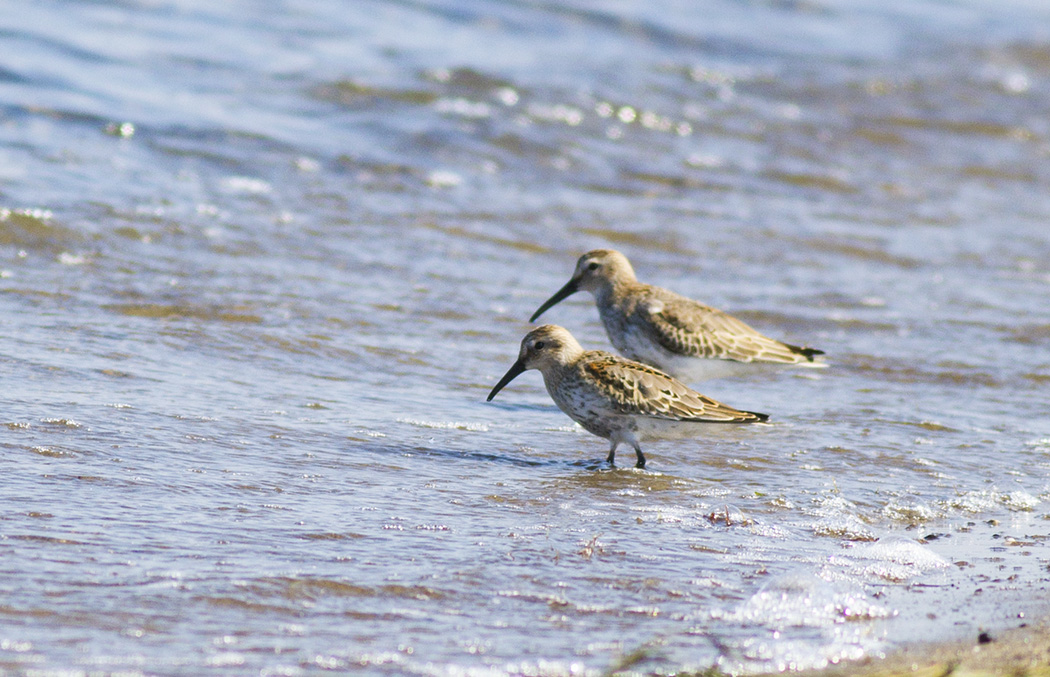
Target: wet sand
[
  {"x": 993, "y": 621},
  {"x": 1020, "y": 651},
  {"x": 1023, "y": 650}
]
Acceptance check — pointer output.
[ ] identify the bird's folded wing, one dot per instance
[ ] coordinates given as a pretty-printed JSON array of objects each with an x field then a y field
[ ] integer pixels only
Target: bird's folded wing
[
  {"x": 686, "y": 327},
  {"x": 634, "y": 388}
]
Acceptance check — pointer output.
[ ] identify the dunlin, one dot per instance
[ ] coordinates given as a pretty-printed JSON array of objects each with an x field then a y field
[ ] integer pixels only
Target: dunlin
[
  {"x": 618, "y": 399},
  {"x": 671, "y": 332}
]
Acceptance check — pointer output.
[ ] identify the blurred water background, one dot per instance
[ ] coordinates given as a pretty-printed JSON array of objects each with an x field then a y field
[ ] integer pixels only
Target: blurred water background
[{"x": 260, "y": 263}]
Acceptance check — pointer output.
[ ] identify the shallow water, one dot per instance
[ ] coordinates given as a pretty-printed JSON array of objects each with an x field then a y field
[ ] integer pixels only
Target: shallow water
[{"x": 261, "y": 264}]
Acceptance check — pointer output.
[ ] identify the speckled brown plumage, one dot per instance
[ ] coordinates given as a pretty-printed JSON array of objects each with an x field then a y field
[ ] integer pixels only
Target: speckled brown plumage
[
  {"x": 615, "y": 398},
  {"x": 676, "y": 334},
  {"x": 635, "y": 388}
]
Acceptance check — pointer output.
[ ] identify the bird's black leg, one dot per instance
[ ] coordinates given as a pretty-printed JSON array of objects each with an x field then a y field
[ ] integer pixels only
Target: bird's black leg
[
  {"x": 641, "y": 457},
  {"x": 612, "y": 453}
]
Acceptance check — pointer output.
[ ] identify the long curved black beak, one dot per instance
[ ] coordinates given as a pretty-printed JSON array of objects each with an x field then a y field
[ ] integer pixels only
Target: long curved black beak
[
  {"x": 512, "y": 373},
  {"x": 570, "y": 288}
]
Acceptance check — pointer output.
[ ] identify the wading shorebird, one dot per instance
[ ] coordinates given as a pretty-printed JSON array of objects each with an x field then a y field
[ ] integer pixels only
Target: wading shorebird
[
  {"x": 671, "y": 332},
  {"x": 618, "y": 399}
]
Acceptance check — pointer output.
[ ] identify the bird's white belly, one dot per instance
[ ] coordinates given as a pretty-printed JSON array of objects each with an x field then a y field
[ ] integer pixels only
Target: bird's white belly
[
  {"x": 646, "y": 428},
  {"x": 694, "y": 369},
  {"x": 684, "y": 368}
]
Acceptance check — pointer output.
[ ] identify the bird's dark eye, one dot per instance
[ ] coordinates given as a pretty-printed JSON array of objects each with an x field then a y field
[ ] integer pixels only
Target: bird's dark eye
[
  {"x": 539, "y": 345},
  {"x": 594, "y": 265}
]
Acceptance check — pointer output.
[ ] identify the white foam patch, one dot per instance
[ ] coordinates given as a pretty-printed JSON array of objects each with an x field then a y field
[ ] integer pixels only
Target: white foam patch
[
  {"x": 770, "y": 531},
  {"x": 849, "y": 527},
  {"x": 801, "y": 599},
  {"x": 909, "y": 511},
  {"x": 891, "y": 559},
  {"x": 759, "y": 655},
  {"x": 244, "y": 185},
  {"x": 1020, "y": 500},
  {"x": 839, "y": 518},
  {"x": 446, "y": 425},
  {"x": 464, "y": 108},
  {"x": 913, "y": 511},
  {"x": 903, "y": 551},
  {"x": 976, "y": 502},
  {"x": 68, "y": 259},
  {"x": 444, "y": 179}
]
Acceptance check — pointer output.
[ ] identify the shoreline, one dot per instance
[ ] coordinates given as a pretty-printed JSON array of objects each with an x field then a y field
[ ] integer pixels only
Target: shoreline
[
  {"x": 1022, "y": 651},
  {"x": 989, "y": 614}
]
